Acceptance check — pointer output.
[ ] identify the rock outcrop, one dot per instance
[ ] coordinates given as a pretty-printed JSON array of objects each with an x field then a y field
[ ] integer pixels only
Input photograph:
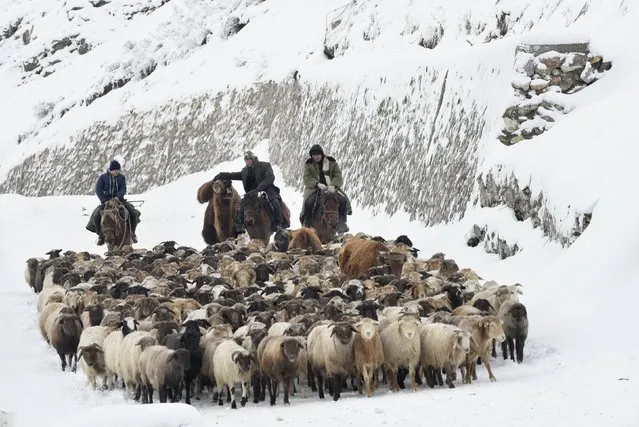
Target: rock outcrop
[{"x": 545, "y": 75}]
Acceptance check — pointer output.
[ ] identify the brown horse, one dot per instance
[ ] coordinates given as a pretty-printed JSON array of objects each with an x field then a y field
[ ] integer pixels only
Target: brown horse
[
  {"x": 115, "y": 225},
  {"x": 325, "y": 215},
  {"x": 223, "y": 203},
  {"x": 257, "y": 218}
]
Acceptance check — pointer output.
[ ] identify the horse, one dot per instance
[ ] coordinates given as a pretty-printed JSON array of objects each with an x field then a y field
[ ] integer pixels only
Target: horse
[
  {"x": 115, "y": 224},
  {"x": 325, "y": 215},
  {"x": 257, "y": 217},
  {"x": 223, "y": 204}
]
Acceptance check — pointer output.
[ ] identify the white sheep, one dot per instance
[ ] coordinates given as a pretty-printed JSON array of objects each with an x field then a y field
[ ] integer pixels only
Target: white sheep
[
  {"x": 443, "y": 346},
  {"x": 330, "y": 354},
  {"x": 401, "y": 344},
  {"x": 111, "y": 347},
  {"x": 91, "y": 353},
  {"x": 232, "y": 364},
  {"x": 54, "y": 293},
  {"x": 129, "y": 361}
]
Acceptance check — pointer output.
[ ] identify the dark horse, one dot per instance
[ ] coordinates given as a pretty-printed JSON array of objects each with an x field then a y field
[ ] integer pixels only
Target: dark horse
[
  {"x": 115, "y": 224},
  {"x": 223, "y": 203},
  {"x": 325, "y": 215},
  {"x": 257, "y": 216}
]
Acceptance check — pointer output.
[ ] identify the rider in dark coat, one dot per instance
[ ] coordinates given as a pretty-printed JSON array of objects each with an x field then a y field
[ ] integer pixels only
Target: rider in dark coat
[
  {"x": 257, "y": 176},
  {"x": 109, "y": 185}
]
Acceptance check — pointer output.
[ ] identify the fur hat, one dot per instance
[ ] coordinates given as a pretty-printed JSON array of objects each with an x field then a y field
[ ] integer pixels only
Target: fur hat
[
  {"x": 114, "y": 166},
  {"x": 316, "y": 149},
  {"x": 249, "y": 155}
]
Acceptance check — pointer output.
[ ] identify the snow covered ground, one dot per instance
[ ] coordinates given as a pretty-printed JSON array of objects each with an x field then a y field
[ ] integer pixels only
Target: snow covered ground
[{"x": 581, "y": 360}]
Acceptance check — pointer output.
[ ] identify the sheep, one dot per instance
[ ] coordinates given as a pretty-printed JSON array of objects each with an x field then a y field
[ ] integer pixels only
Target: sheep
[
  {"x": 368, "y": 354},
  {"x": 162, "y": 369},
  {"x": 304, "y": 238},
  {"x": 30, "y": 270},
  {"x": 279, "y": 360},
  {"x": 129, "y": 361},
  {"x": 189, "y": 339},
  {"x": 64, "y": 332},
  {"x": 515, "y": 320},
  {"x": 111, "y": 347},
  {"x": 232, "y": 364},
  {"x": 484, "y": 330},
  {"x": 443, "y": 346},
  {"x": 51, "y": 311},
  {"x": 358, "y": 255},
  {"x": 91, "y": 354},
  {"x": 50, "y": 295},
  {"x": 401, "y": 344},
  {"x": 330, "y": 355},
  {"x": 92, "y": 315}
]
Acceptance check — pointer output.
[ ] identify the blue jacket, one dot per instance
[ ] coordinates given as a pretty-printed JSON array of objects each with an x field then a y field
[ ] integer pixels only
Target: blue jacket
[{"x": 109, "y": 186}]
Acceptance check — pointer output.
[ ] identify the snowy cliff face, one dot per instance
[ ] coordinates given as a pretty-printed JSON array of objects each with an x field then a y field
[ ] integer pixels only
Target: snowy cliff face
[{"x": 409, "y": 98}]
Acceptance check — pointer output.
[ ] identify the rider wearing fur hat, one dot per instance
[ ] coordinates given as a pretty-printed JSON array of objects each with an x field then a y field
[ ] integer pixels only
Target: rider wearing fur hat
[{"x": 322, "y": 172}]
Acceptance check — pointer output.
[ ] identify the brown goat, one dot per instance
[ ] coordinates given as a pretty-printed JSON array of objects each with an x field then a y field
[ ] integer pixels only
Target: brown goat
[
  {"x": 304, "y": 238},
  {"x": 358, "y": 255},
  {"x": 222, "y": 200}
]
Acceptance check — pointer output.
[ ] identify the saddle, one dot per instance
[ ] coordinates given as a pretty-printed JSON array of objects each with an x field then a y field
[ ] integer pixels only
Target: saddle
[{"x": 286, "y": 212}]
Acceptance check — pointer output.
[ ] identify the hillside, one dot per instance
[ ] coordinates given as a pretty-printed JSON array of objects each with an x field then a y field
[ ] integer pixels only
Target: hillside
[{"x": 497, "y": 132}]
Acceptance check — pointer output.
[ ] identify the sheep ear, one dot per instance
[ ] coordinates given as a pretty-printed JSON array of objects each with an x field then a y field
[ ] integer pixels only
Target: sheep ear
[
  {"x": 333, "y": 330},
  {"x": 300, "y": 345},
  {"x": 353, "y": 329},
  {"x": 235, "y": 355},
  {"x": 80, "y": 352}
]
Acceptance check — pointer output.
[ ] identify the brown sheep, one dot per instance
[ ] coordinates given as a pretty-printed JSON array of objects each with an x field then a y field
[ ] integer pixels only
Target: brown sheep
[
  {"x": 64, "y": 335},
  {"x": 368, "y": 354},
  {"x": 304, "y": 238},
  {"x": 484, "y": 329},
  {"x": 279, "y": 359},
  {"x": 358, "y": 255}
]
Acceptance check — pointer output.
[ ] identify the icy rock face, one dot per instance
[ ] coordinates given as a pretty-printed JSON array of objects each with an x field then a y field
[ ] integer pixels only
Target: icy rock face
[
  {"x": 545, "y": 75},
  {"x": 526, "y": 205},
  {"x": 492, "y": 242},
  {"x": 404, "y": 143}
]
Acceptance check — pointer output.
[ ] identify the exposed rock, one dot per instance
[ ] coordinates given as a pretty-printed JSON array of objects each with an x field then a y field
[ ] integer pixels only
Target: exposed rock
[
  {"x": 521, "y": 82},
  {"x": 552, "y": 59},
  {"x": 541, "y": 69},
  {"x": 589, "y": 74},
  {"x": 26, "y": 36},
  {"x": 61, "y": 44},
  {"x": 574, "y": 61},
  {"x": 539, "y": 84},
  {"x": 525, "y": 64},
  {"x": 493, "y": 243},
  {"x": 31, "y": 64},
  {"x": 99, "y": 3},
  {"x": 233, "y": 26},
  {"x": 11, "y": 29},
  {"x": 510, "y": 125}
]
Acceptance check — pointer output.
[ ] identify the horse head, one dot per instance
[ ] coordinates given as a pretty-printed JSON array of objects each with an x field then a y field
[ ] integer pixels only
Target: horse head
[
  {"x": 223, "y": 188},
  {"x": 112, "y": 223},
  {"x": 253, "y": 203},
  {"x": 328, "y": 211}
]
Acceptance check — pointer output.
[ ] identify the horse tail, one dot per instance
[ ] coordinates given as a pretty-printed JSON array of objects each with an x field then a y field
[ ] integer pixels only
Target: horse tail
[{"x": 205, "y": 192}]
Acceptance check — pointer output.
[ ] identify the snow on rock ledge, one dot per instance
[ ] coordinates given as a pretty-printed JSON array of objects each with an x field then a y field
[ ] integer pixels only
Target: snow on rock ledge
[{"x": 546, "y": 75}]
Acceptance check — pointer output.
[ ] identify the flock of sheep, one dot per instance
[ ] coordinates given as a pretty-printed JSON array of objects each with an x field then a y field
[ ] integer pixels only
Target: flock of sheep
[{"x": 357, "y": 313}]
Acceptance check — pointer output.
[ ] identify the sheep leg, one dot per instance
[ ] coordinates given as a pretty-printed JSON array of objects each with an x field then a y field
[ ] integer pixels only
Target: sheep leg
[
  {"x": 138, "y": 392},
  {"x": 412, "y": 372},
  {"x": 73, "y": 357},
  {"x": 256, "y": 382},
  {"x": 519, "y": 345},
  {"x": 511, "y": 348},
  {"x": 449, "y": 376},
  {"x": 287, "y": 387},
  {"x": 358, "y": 379},
  {"x": 274, "y": 384},
  {"x": 490, "y": 371},
  {"x": 162, "y": 393},
  {"x": 311, "y": 377},
  {"x": 232, "y": 393},
  {"x": 187, "y": 390},
  {"x": 150, "y": 391},
  {"x": 504, "y": 350},
  {"x": 63, "y": 361},
  {"x": 366, "y": 376},
  {"x": 320, "y": 385},
  {"x": 263, "y": 389},
  {"x": 438, "y": 376},
  {"x": 245, "y": 389},
  {"x": 228, "y": 394},
  {"x": 494, "y": 352},
  {"x": 145, "y": 394},
  {"x": 104, "y": 382},
  {"x": 337, "y": 386},
  {"x": 220, "y": 394}
]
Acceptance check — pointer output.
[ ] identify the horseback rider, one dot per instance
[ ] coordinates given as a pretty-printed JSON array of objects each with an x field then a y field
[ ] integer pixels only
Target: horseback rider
[
  {"x": 322, "y": 173},
  {"x": 111, "y": 184},
  {"x": 257, "y": 176}
]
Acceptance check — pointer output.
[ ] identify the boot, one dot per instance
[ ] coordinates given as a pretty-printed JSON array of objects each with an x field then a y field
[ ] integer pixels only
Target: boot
[
  {"x": 342, "y": 227},
  {"x": 277, "y": 215},
  {"x": 134, "y": 238},
  {"x": 239, "y": 222},
  {"x": 100, "y": 240}
]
